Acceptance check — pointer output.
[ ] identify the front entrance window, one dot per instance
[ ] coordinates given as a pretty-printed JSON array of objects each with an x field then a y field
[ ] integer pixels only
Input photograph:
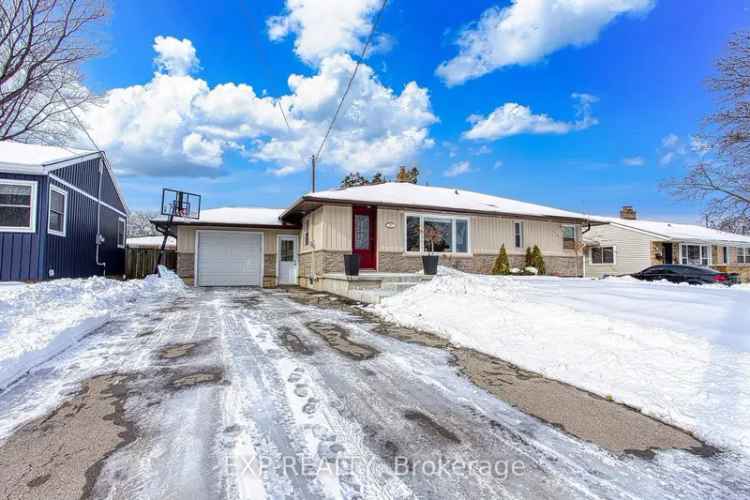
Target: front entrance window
[
  {"x": 286, "y": 252},
  {"x": 361, "y": 232}
]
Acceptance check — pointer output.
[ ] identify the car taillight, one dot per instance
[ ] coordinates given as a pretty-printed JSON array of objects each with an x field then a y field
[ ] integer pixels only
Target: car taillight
[{"x": 720, "y": 277}]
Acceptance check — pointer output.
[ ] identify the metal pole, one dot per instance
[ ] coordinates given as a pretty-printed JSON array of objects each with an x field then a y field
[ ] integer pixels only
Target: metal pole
[
  {"x": 313, "y": 173},
  {"x": 163, "y": 243}
]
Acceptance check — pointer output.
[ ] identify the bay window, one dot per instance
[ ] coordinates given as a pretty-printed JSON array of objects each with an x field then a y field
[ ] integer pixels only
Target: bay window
[
  {"x": 17, "y": 206},
  {"x": 695, "y": 255},
  {"x": 436, "y": 233}
]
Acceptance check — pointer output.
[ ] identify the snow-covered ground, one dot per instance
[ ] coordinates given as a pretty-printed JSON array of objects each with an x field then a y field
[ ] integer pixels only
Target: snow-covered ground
[
  {"x": 38, "y": 321},
  {"x": 679, "y": 353}
]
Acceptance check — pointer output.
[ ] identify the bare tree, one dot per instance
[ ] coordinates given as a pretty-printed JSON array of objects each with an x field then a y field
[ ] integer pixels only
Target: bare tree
[
  {"x": 721, "y": 177},
  {"x": 42, "y": 45}
]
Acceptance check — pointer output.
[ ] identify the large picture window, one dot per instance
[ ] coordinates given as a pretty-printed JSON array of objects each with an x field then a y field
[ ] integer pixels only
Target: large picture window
[
  {"x": 603, "y": 255},
  {"x": 58, "y": 209},
  {"x": 17, "y": 206},
  {"x": 695, "y": 255},
  {"x": 436, "y": 233}
]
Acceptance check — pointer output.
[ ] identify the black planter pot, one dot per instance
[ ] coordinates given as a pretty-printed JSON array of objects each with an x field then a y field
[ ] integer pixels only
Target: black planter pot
[
  {"x": 351, "y": 265},
  {"x": 430, "y": 263}
]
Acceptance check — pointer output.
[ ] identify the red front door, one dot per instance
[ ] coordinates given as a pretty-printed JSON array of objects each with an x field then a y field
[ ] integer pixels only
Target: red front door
[{"x": 363, "y": 236}]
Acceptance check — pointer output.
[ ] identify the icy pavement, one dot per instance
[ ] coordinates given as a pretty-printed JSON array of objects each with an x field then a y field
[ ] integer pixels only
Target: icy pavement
[{"x": 243, "y": 393}]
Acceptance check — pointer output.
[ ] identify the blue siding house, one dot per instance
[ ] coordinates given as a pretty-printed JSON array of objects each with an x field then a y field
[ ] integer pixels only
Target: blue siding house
[{"x": 62, "y": 214}]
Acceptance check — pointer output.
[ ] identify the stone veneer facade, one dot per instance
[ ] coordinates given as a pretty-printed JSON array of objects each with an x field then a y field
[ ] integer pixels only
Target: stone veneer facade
[{"x": 397, "y": 262}]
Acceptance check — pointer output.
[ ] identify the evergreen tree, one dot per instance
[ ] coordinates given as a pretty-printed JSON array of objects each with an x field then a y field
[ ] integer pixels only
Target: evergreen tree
[
  {"x": 378, "y": 178},
  {"x": 538, "y": 259},
  {"x": 354, "y": 179},
  {"x": 502, "y": 266},
  {"x": 529, "y": 258}
]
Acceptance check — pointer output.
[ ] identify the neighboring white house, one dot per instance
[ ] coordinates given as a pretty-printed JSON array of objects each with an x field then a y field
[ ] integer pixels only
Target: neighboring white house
[{"x": 627, "y": 245}]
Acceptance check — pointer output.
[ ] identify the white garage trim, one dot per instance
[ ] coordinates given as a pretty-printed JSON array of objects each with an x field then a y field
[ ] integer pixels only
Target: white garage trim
[{"x": 196, "y": 269}]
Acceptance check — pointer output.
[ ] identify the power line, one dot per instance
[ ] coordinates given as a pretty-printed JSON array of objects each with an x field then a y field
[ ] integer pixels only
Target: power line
[
  {"x": 354, "y": 74},
  {"x": 80, "y": 124}
]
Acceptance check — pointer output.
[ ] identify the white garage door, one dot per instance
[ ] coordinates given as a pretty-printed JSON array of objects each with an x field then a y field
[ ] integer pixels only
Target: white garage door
[{"x": 228, "y": 258}]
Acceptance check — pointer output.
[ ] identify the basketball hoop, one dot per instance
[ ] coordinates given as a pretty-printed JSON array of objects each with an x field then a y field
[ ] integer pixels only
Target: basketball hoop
[{"x": 177, "y": 204}]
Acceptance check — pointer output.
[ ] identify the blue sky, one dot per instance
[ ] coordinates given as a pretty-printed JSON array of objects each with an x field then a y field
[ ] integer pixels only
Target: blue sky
[{"x": 172, "y": 109}]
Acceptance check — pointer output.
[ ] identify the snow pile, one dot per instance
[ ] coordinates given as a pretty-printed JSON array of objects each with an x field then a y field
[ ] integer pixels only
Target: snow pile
[
  {"x": 679, "y": 353},
  {"x": 39, "y": 321}
]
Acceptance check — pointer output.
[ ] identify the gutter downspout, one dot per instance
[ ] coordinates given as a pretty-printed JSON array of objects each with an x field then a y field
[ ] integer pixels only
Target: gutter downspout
[
  {"x": 99, "y": 237},
  {"x": 588, "y": 228}
]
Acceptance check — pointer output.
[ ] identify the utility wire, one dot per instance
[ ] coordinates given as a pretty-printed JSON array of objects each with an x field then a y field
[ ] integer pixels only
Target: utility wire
[{"x": 354, "y": 74}]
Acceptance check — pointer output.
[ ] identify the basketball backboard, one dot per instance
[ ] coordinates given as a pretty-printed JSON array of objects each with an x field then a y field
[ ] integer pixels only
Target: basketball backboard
[{"x": 180, "y": 204}]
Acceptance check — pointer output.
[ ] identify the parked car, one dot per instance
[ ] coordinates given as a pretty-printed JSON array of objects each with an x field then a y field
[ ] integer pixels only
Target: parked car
[{"x": 693, "y": 275}]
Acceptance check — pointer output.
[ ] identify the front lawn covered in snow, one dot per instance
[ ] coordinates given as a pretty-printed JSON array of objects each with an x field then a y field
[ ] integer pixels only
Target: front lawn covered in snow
[
  {"x": 679, "y": 353},
  {"x": 38, "y": 321}
]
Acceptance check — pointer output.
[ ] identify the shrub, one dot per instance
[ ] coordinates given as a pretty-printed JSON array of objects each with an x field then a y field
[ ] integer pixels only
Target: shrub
[
  {"x": 537, "y": 260},
  {"x": 502, "y": 265},
  {"x": 529, "y": 259}
]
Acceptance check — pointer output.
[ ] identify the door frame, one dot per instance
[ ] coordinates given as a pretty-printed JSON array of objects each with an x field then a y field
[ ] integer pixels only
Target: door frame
[
  {"x": 373, "y": 212},
  {"x": 196, "y": 281},
  {"x": 295, "y": 238}
]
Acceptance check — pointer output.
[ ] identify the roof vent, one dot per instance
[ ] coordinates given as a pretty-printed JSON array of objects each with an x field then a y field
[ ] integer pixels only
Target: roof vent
[
  {"x": 627, "y": 212},
  {"x": 455, "y": 191}
]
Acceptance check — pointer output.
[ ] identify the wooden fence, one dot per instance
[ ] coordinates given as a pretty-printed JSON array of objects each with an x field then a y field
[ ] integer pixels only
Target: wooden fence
[{"x": 142, "y": 261}]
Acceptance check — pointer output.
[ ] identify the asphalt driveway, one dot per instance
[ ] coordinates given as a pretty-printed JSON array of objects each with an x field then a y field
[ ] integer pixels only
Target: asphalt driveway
[{"x": 247, "y": 393}]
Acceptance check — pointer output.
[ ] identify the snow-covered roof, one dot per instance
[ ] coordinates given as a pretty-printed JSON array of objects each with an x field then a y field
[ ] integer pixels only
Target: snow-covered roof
[
  {"x": 33, "y": 158},
  {"x": 150, "y": 242},
  {"x": 405, "y": 194},
  {"x": 236, "y": 216},
  {"x": 678, "y": 232}
]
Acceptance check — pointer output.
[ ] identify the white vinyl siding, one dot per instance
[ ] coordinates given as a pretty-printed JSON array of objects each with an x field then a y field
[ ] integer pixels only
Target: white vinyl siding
[{"x": 633, "y": 250}]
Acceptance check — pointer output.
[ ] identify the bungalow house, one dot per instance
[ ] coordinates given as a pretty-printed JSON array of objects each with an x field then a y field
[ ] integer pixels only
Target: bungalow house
[
  {"x": 384, "y": 224},
  {"x": 627, "y": 244},
  {"x": 62, "y": 214}
]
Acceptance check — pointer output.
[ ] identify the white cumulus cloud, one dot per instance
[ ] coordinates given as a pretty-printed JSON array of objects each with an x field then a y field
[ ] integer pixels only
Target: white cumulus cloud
[
  {"x": 176, "y": 124},
  {"x": 633, "y": 161},
  {"x": 512, "y": 119},
  {"x": 175, "y": 57},
  {"x": 326, "y": 27},
  {"x": 459, "y": 168},
  {"x": 528, "y": 30}
]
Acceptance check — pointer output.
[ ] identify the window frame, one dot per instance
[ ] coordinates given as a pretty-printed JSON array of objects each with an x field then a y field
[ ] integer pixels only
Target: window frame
[
  {"x": 440, "y": 217},
  {"x": 31, "y": 228},
  {"x": 64, "y": 193},
  {"x": 124, "y": 232},
  {"x": 701, "y": 247},
  {"x": 744, "y": 253},
  {"x": 602, "y": 263},
  {"x": 521, "y": 236},
  {"x": 575, "y": 235}
]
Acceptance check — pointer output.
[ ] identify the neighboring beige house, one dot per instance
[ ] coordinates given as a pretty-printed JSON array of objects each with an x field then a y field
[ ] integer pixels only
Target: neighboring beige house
[
  {"x": 384, "y": 224},
  {"x": 627, "y": 245}
]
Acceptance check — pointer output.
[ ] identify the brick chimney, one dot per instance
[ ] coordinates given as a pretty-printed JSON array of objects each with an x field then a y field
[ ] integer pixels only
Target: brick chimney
[{"x": 628, "y": 212}]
